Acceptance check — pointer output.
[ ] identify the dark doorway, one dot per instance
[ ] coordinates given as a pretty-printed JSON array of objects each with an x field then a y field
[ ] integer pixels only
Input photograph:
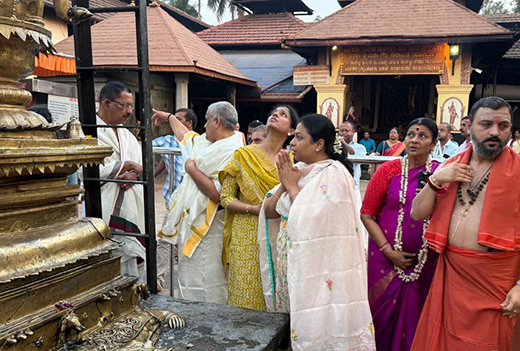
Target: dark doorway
[{"x": 403, "y": 98}]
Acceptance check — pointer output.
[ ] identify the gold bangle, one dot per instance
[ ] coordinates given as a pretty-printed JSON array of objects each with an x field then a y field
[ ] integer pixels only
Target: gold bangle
[
  {"x": 296, "y": 193},
  {"x": 274, "y": 194}
]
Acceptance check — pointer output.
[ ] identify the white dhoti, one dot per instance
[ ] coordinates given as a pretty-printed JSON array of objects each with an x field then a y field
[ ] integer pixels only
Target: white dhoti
[
  {"x": 196, "y": 224},
  {"x": 201, "y": 277}
]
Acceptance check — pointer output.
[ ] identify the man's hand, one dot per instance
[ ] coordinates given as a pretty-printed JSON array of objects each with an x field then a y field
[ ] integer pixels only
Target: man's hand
[
  {"x": 132, "y": 176},
  {"x": 159, "y": 117},
  {"x": 454, "y": 172},
  {"x": 511, "y": 305},
  {"x": 189, "y": 166},
  {"x": 132, "y": 166}
]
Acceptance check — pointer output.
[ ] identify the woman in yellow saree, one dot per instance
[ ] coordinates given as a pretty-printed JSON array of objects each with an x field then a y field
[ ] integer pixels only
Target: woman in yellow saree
[{"x": 245, "y": 181}]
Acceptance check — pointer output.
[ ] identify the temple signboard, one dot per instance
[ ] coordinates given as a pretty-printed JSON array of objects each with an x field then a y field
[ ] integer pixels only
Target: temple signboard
[
  {"x": 393, "y": 60},
  {"x": 311, "y": 75}
]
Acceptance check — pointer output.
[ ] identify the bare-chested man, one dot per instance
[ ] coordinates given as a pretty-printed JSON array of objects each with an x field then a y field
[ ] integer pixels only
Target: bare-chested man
[{"x": 474, "y": 298}]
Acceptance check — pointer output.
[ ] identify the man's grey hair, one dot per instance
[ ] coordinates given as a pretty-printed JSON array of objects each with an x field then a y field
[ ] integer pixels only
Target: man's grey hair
[
  {"x": 226, "y": 112},
  {"x": 449, "y": 127},
  {"x": 262, "y": 128}
]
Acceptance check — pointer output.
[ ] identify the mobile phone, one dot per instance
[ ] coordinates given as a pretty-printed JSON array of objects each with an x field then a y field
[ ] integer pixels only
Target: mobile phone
[{"x": 423, "y": 178}]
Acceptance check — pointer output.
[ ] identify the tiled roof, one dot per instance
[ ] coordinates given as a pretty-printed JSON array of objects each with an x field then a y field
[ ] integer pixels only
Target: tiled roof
[
  {"x": 266, "y": 67},
  {"x": 274, "y": 6},
  {"x": 172, "y": 47},
  {"x": 400, "y": 21},
  {"x": 268, "y": 29},
  {"x": 97, "y": 3},
  {"x": 505, "y": 18},
  {"x": 514, "y": 52}
]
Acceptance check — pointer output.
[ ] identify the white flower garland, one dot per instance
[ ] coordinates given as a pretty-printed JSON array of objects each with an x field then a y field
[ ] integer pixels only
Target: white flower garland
[{"x": 398, "y": 246}]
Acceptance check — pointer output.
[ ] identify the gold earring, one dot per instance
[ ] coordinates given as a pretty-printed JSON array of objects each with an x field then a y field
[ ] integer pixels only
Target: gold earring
[{"x": 289, "y": 134}]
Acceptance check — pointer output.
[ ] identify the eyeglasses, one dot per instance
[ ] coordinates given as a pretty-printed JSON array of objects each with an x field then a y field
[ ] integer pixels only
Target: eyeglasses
[{"x": 123, "y": 105}]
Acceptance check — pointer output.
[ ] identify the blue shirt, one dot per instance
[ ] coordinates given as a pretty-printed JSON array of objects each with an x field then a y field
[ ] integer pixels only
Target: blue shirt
[
  {"x": 370, "y": 144},
  {"x": 170, "y": 141},
  {"x": 450, "y": 149},
  {"x": 359, "y": 150}
]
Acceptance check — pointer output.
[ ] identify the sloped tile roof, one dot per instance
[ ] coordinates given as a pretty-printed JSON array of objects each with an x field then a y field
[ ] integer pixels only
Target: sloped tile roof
[
  {"x": 266, "y": 67},
  {"x": 172, "y": 47},
  {"x": 400, "y": 21},
  {"x": 505, "y": 18},
  {"x": 97, "y": 3},
  {"x": 514, "y": 52},
  {"x": 268, "y": 29}
]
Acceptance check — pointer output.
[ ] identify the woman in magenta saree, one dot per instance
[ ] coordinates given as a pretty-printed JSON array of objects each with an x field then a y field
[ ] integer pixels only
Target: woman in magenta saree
[{"x": 400, "y": 265}]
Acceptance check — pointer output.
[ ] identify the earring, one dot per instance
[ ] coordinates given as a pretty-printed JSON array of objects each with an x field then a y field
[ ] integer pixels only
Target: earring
[
  {"x": 317, "y": 150},
  {"x": 289, "y": 134}
]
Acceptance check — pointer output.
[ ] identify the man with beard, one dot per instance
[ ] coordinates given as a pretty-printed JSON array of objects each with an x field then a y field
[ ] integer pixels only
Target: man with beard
[
  {"x": 122, "y": 203},
  {"x": 465, "y": 124},
  {"x": 474, "y": 202},
  {"x": 445, "y": 148}
]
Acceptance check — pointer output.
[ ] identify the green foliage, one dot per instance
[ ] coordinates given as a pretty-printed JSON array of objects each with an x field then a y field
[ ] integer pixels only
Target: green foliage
[
  {"x": 184, "y": 5},
  {"x": 494, "y": 7},
  {"x": 516, "y": 6},
  {"x": 221, "y": 6}
]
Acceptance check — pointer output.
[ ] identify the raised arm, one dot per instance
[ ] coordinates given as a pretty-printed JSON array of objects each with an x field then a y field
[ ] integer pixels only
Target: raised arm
[
  {"x": 179, "y": 130},
  {"x": 424, "y": 202}
]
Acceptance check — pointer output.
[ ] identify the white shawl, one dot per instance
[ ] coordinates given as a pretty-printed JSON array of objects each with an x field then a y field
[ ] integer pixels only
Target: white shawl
[
  {"x": 326, "y": 267},
  {"x": 188, "y": 202},
  {"x": 131, "y": 201}
]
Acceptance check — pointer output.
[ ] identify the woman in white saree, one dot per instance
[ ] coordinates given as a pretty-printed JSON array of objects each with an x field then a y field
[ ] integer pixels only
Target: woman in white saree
[{"x": 315, "y": 267}]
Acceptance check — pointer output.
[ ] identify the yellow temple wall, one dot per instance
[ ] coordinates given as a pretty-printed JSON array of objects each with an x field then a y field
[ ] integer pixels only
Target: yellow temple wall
[
  {"x": 453, "y": 92},
  {"x": 58, "y": 28}
]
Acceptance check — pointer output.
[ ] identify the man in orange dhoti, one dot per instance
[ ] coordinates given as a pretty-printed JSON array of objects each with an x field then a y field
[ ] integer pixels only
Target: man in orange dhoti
[{"x": 474, "y": 298}]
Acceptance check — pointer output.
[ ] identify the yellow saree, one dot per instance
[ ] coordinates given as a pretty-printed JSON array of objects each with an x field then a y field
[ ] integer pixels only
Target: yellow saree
[{"x": 248, "y": 178}]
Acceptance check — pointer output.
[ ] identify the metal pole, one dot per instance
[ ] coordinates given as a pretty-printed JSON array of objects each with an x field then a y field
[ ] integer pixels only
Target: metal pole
[
  {"x": 145, "y": 117},
  {"x": 87, "y": 106}
]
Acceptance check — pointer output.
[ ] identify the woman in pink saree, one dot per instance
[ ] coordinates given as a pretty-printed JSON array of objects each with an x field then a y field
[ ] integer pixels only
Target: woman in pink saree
[{"x": 400, "y": 264}]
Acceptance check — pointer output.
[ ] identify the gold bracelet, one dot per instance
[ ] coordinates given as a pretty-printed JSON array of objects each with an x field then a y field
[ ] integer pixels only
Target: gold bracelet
[
  {"x": 296, "y": 193},
  {"x": 274, "y": 194},
  {"x": 247, "y": 208}
]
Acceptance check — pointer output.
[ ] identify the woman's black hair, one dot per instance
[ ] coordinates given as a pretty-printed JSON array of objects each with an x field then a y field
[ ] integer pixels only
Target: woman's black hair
[
  {"x": 320, "y": 127},
  {"x": 428, "y": 123},
  {"x": 294, "y": 120}
]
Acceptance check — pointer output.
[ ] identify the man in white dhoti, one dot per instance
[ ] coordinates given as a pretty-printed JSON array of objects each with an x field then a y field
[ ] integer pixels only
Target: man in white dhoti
[
  {"x": 195, "y": 221},
  {"x": 122, "y": 203}
]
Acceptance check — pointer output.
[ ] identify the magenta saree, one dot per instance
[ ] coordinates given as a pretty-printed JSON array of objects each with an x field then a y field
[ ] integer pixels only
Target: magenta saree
[{"x": 396, "y": 306}]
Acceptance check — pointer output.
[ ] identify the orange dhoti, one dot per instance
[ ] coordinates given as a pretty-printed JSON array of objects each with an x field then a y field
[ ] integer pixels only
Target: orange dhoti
[{"x": 463, "y": 309}]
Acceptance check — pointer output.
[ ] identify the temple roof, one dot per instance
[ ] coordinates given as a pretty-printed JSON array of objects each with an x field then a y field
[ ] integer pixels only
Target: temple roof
[
  {"x": 172, "y": 47},
  {"x": 401, "y": 21},
  {"x": 474, "y": 5},
  {"x": 510, "y": 21},
  {"x": 254, "y": 30},
  {"x": 273, "y": 6}
]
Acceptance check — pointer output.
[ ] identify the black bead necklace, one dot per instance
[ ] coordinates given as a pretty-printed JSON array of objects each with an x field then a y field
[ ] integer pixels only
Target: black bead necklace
[{"x": 473, "y": 192}]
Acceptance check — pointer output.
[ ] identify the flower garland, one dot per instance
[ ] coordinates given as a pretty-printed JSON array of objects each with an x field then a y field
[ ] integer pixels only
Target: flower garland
[{"x": 398, "y": 246}]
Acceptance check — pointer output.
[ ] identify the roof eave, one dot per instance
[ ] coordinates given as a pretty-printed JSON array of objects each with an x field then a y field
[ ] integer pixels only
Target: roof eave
[
  {"x": 399, "y": 40},
  {"x": 204, "y": 72}
]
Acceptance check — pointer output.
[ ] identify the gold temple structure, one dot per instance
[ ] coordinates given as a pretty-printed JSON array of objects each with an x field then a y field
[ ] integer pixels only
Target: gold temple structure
[{"x": 60, "y": 283}]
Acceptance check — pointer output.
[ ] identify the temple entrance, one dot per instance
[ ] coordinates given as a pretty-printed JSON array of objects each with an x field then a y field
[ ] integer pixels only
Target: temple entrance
[{"x": 403, "y": 98}]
